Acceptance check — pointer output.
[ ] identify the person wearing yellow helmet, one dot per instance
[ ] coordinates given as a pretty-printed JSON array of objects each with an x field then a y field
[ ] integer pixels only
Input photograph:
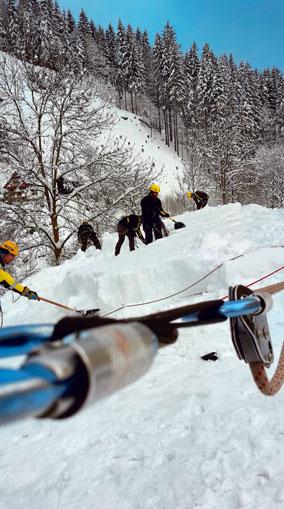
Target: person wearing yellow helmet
[
  {"x": 11, "y": 247},
  {"x": 8, "y": 251},
  {"x": 154, "y": 188},
  {"x": 199, "y": 197},
  {"x": 152, "y": 209}
]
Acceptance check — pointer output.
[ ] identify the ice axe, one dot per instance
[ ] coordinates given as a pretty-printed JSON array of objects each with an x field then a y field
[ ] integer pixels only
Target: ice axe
[
  {"x": 178, "y": 224},
  {"x": 78, "y": 312}
]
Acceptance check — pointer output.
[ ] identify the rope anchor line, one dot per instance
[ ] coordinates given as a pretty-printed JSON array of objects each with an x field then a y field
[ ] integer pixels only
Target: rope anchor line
[{"x": 194, "y": 284}]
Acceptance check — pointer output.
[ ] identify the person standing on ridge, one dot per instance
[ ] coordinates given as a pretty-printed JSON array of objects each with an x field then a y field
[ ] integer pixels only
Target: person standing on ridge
[
  {"x": 128, "y": 226},
  {"x": 87, "y": 234},
  {"x": 151, "y": 211},
  {"x": 8, "y": 251},
  {"x": 199, "y": 197}
]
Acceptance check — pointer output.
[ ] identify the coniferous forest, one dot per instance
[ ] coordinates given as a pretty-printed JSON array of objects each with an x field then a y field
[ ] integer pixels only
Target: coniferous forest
[{"x": 226, "y": 121}]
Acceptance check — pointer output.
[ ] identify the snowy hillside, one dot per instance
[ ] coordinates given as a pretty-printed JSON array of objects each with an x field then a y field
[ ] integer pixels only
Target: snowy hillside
[
  {"x": 150, "y": 146},
  {"x": 189, "y": 433}
]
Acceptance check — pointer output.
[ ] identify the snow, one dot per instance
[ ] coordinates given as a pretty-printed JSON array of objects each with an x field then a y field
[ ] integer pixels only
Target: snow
[
  {"x": 189, "y": 433},
  {"x": 149, "y": 147}
]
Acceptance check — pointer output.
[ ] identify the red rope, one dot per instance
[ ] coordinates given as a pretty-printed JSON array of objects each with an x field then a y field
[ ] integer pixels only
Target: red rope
[{"x": 260, "y": 279}]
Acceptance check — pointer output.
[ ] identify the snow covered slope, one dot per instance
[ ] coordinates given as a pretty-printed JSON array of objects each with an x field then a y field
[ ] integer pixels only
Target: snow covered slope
[
  {"x": 189, "y": 433},
  {"x": 150, "y": 146}
]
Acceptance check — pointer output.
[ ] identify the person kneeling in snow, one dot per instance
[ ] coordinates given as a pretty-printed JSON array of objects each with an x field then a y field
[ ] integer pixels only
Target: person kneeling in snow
[
  {"x": 87, "y": 234},
  {"x": 128, "y": 226},
  {"x": 8, "y": 251}
]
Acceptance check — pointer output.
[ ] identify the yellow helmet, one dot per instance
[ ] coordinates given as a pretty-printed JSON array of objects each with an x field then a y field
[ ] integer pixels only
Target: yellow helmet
[
  {"x": 10, "y": 246},
  {"x": 155, "y": 188},
  {"x": 189, "y": 195}
]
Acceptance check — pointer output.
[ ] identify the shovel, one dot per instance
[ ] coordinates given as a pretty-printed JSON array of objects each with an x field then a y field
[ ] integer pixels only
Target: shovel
[
  {"x": 73, "y": 310},
  {"x": 178, "y": 224}
]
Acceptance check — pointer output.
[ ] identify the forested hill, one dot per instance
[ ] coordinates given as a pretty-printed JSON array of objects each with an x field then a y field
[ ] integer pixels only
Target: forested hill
[{"x": 225, "y": 120}]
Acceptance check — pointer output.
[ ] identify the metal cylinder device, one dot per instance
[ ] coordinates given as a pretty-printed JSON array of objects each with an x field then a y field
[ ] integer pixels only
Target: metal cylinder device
[{"x": 103, "y": 360}]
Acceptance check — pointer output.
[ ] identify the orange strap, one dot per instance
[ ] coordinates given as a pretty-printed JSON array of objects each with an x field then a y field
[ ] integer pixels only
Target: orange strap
[
  {"x": 269, "y": 388},
  {"x": 266, "y": 386}
]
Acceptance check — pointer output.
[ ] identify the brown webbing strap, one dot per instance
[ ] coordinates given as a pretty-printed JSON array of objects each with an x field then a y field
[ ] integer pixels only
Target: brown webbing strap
[{"x": 266, "y": 386}]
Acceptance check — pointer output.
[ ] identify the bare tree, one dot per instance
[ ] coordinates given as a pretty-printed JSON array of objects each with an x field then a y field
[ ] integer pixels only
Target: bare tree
[
  {"x": 269, "y": 176},
  {"x": 55, "y": 134}
]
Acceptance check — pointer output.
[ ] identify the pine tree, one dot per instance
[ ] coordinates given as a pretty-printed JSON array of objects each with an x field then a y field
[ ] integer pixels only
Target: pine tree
[
  {"x": 158, "y": 67},
  {"x": 226, "y": 144},
  {"x": 45, "y": 33},
  {"x": 70, "y": 22},
  {"x": 111, "y": 53},
  {"x": 205, "y": 92},
  {"x": 3, "y": 36},
  {"x": 134, "y": 70},
  {"x": 60, "y": 39},
  {"x": 191, "y": 70},
  {"x": 250, "y": 107},
  {"x": 84, "y": 36},
  {"x": 173, "y": 84},
  {"x": 147, "y": 59},
  {"x": 12, "y": 29},
  {"x": 121, "y": 83}
]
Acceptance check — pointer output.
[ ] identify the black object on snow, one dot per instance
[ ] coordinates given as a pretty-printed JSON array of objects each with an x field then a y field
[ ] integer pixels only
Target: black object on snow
[
  {"x": 212, "y": 356},
  {"x": 178, "y": 225}
]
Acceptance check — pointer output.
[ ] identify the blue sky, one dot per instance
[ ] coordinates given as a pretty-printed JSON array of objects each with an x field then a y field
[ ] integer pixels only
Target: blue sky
[{"x": 252, "y": 30}]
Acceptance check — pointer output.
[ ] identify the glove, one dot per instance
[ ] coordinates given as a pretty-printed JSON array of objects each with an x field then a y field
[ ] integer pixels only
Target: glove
[{"x": 30, "y": 294}]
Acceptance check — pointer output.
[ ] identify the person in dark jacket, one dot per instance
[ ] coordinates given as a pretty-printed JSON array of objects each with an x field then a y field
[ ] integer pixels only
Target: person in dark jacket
[
  {"x": 86, "y": 235},
  {"x": 151, "y": 211},
  {"x": 200, "y": 198},
  {"x": 128, "y": 226}
]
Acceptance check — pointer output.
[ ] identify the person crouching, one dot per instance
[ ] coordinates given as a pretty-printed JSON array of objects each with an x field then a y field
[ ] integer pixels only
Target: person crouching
[{"x": 128, "y": 226}]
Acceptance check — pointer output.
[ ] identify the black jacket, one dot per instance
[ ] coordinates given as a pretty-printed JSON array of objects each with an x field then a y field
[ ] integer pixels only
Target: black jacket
[
  {"x": 152, "y": 209},
  {"x": 200, "y": 195},
  {"x": 85, "y": 229},
  {"x": 132, "y": 223}
]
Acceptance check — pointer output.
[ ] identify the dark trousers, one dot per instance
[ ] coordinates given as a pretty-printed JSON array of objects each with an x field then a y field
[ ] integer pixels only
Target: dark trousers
[
  {"x": 164, "y": 229},
  {"x": 149, "y": 228},
  {"x": 85, "y": 239},
  {"x": 122, "y": 233}
]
